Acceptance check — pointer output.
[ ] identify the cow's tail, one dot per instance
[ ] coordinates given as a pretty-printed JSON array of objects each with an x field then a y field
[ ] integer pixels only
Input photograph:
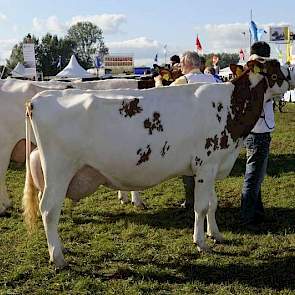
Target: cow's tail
[{"x": 30, "y": 197}]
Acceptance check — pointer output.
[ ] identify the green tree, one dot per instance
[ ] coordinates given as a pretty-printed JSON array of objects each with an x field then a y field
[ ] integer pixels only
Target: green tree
[
  {"x": 89, "y": 40},
  {"x": 50, "y": 50}
]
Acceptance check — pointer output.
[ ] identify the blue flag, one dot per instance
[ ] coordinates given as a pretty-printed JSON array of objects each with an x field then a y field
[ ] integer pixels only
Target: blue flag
[
  {"x": 253, "y": 31},
  {"x": 97, "y": 62}
]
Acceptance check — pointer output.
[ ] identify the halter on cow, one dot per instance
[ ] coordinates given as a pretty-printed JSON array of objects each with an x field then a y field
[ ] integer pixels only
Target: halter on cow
[{"x": 168, "y": 131}]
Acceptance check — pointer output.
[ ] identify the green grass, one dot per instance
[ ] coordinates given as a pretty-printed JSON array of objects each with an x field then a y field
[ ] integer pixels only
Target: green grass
[{"x": 116, "y": 249}]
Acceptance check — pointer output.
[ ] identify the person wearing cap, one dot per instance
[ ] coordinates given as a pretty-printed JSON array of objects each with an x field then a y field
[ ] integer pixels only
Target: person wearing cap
[
  {"x": 257, "y": 147},
  {"x": 190, "y": 64}
]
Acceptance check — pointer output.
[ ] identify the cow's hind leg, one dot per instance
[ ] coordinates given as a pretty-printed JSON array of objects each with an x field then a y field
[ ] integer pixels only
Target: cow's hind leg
[
  {"x": 204, "y": 180},
  {"x": 212, "y": 228},
  {"x": 56, "y": 184},
  {"x": 136, "y": 200},
  {"x": 123, "y": 197}
]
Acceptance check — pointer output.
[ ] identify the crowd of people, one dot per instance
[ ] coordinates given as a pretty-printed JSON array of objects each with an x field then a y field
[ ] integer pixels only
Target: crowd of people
[{"x": 257, "y": 143}]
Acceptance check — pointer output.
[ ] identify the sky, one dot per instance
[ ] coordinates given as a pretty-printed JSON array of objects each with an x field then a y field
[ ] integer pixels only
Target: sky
[{"x": 143, "y": 28}]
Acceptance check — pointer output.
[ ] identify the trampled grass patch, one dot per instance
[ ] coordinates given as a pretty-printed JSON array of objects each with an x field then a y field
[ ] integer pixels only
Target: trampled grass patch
[{"x": 117, "y": 249}]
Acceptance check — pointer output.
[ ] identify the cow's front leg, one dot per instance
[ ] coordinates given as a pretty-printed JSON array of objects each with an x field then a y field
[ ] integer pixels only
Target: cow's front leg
[
  {"x": 204, "y": 181},
  {"x": 4, "y": 199},
  {"x": 212, "y": 228},
  {"x": 136, "y": 200}
]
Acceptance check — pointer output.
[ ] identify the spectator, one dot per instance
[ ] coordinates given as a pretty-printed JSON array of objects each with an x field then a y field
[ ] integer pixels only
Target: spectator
[
  {"x": 174, "y": 59},
  {"x": 190, "y": 63},
  {"x": 211, "y": 71},
  {"x": 257, "y": 146},
  {"x": 203, "y": 63}
]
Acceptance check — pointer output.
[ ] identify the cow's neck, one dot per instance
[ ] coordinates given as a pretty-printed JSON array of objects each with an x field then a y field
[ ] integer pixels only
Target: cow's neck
[{"x": 246, "y": 106}]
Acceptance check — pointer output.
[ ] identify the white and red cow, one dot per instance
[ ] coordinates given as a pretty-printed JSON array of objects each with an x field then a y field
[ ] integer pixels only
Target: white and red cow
[
  {"x": 135, "y": 139},
  {"x": 13, "y": 94}
]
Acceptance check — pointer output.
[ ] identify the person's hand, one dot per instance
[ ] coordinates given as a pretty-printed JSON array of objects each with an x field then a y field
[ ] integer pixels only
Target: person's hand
[{"x": 158, "y": 79}]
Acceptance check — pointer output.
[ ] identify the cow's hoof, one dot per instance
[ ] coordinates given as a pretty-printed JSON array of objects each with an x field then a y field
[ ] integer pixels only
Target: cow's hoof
[
  {"x": 140, "y": 205},
  {"x": 204, "y": 248},
  {"x": 123, "y": 202},
  {"x": 217, "y": 238},
  {"x": 58, "y": 262},
  {"x": 3, "y": 212},
  {"x": 123, "y": 198}
]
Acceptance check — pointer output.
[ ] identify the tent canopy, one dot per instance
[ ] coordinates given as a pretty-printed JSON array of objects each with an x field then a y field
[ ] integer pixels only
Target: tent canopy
[
  {"x": 73, "y": 70},
  {"x": 19, "y": 71}
]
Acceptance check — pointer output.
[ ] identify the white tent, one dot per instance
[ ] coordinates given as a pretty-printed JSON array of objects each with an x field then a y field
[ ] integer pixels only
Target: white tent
[
  {"x": 73, "y": 70},
  {"x": 19, "y": 71},
  {"x": 225, "y": 72}
]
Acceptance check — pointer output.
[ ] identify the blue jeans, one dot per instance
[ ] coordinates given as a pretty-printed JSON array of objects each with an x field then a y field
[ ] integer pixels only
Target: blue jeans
[{"x": 257, "y": 145}]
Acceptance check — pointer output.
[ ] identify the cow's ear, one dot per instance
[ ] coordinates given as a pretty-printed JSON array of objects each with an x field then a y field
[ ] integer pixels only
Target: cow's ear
[
  {"x": 237, "y": 70},
  {"x": 255, "y": 66}
]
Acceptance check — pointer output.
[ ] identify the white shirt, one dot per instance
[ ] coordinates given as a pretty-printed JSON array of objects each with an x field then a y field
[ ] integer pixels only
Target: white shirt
[{"x": 266, "y": 122}]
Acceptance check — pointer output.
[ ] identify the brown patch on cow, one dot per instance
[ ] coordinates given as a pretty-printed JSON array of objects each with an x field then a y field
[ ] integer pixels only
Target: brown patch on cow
[
  {"x": 218, "y": 118},
  {"x": 130, "y": 108},
  {"x": 144, "y": 155},
  {"x": 154, "y": 124},
  {"x": 274, "y": 73},
  {"x": 246, "y": 106},
  {"x": 200, "y": 180},
  {"x": 219, "y": 107},
  {"x": 165, "y": 149},
  {"x": 198, "y": 161},
  {"x": 212, "y": 142},
  {"x": 223, "y": 142}
]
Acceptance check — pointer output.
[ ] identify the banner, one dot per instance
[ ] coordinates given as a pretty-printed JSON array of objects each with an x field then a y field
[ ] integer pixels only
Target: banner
[
  {"x": 279, "y": 34},
  {"x": 29, "y": 60}
]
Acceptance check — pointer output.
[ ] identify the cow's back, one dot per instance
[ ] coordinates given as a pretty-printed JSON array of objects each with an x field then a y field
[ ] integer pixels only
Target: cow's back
[{"x": 153, "y": 132}]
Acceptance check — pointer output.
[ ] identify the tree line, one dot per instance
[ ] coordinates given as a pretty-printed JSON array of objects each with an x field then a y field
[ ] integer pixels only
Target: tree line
[{"x": 83, "y": 39}]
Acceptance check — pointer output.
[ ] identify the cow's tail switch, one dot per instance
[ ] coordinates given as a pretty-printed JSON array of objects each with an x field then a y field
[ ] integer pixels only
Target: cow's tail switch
[{"x": 30, "y": 197}]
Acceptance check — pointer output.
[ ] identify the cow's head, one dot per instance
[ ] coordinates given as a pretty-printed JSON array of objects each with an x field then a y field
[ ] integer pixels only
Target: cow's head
[{"x": 276, "y": 76}]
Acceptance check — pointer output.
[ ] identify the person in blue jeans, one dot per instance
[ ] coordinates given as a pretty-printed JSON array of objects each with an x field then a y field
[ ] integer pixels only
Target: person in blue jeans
[{"x": 257, "y": 147}]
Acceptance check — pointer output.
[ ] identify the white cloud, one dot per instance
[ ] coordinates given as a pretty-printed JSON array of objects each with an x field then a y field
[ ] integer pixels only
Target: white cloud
[
  {"x": 228, "y": 37},
  {"x": 3, "y": 17},
  {"x": 51, "y": 24},
  {"x": 143, "y": 49},
  {"x": 109, "y": 23},
  {"x": 223, "y": 37},
  {"x": 137, "y": 43},
  {"x": 6, "y": 48}
]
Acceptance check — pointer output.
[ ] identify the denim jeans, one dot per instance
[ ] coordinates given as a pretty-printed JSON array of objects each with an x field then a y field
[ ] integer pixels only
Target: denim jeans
[{"x": 257, "y": 145}]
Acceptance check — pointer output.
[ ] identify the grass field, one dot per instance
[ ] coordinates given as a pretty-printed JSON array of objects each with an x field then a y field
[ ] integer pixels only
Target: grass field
[{"x": 116, "y": 249}]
